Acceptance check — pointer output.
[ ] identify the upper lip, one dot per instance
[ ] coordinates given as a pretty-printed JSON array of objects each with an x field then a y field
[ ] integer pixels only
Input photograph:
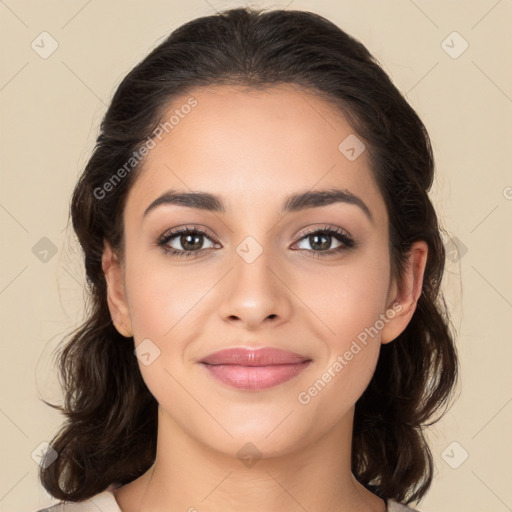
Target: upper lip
[{"x": 265, "y": 356}]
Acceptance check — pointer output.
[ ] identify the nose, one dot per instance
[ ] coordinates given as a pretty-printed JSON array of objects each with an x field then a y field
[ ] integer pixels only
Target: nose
[{"x": 255, "y": 293}]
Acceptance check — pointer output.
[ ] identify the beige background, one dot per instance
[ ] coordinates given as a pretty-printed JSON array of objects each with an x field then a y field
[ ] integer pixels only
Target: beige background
[{"x": 51, "y": 109}]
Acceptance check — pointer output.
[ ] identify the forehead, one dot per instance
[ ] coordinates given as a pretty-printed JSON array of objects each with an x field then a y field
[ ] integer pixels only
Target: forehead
[{"x": 251, "y": 146}]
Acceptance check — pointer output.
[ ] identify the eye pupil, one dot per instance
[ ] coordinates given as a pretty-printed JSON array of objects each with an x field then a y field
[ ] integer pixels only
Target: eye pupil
[
  {"x": 185, "y": 239},
  {"x": 319, "y": 245}
]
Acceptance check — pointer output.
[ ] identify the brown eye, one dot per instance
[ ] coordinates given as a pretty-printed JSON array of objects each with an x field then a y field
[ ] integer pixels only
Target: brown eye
[
  {"x": 185, "y": 242},
  {"x": 320, "y": 241}
]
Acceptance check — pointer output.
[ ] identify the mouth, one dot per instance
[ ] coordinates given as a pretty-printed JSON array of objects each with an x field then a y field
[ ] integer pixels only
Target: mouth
[{"x": 254, "y": 370}]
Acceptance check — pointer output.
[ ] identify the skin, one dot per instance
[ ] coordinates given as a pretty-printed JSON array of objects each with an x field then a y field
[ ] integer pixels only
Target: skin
[{"x": 241, "y": 144}]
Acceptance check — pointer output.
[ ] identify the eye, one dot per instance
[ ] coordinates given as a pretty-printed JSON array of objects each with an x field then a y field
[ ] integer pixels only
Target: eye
[
  {"x": 189, "y": 241},
  {"x": 320, "y": 241},
  {"x": 185, "y": 241}
]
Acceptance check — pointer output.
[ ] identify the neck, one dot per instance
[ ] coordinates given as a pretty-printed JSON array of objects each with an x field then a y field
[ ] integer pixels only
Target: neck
[{"x": 190, "y": 476}]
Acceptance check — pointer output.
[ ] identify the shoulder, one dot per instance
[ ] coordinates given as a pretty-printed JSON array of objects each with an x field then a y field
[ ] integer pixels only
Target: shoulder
[
  {"x": 394, "y": 506},
  {"x": 103, "y": 501}
]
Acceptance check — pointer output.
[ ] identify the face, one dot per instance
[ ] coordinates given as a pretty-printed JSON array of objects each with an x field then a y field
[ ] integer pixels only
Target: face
[{"x": 260, "y": 269}]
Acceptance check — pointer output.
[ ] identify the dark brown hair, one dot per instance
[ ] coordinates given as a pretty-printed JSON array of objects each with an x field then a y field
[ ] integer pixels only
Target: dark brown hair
[{"x": 111, "y": 417}]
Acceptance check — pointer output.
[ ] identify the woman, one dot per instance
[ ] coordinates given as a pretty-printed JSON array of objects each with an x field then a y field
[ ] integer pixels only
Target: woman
[{"x": 266, "y": 329}]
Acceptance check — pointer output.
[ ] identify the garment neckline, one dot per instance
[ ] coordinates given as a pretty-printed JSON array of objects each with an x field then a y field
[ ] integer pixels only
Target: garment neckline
[{"x": 109, "y": 494}]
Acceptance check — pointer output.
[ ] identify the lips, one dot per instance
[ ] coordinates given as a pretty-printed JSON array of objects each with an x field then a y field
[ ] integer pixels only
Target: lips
[
  {"x": 254, "y": 369},
  {"x": 250, "y": 357}
]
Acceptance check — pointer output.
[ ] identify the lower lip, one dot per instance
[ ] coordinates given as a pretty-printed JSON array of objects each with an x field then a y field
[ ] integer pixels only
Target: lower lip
[{"x": 255, "y": 377}]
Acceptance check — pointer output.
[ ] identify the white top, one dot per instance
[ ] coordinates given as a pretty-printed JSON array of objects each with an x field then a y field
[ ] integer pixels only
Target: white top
[{"x": 106, "y": 502}]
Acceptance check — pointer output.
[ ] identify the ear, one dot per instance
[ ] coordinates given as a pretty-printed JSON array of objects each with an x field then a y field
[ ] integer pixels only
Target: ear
[
  {"x": 116, "y": 294},
  {"x": 403, "y": 296}
]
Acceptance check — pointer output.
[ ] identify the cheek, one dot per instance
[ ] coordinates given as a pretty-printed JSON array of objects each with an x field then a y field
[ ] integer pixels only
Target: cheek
[
  {"x": 348, "y": 298},
  {"x": 164, "y": 303},
  {"x": 163, "y": 298},
  {"x": 350, "y": 307}
]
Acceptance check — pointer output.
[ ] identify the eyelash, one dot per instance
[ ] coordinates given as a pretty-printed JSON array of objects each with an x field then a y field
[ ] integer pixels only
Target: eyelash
[{"x": 337, "y": 233}]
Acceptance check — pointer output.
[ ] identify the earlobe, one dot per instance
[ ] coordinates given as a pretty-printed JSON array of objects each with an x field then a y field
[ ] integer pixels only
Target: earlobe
[
  {"x": 116, "y": 296},
  {"x": 408, "y": 292}
]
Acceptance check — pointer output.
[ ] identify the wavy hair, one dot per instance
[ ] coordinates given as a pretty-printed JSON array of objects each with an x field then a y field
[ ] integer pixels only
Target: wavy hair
[{"x": 109, "y": 436}]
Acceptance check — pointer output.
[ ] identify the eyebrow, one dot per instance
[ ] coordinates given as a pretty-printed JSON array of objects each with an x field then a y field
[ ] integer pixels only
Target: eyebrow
[{"x": 294, "y": 203}]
